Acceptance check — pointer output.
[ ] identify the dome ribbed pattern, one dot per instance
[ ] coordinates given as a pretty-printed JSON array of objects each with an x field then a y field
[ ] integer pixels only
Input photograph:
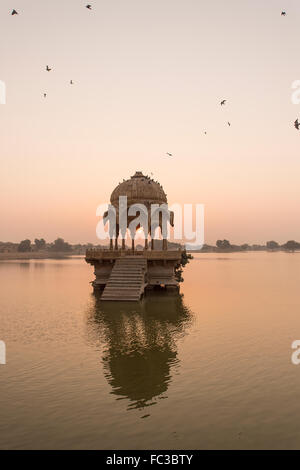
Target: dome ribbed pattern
[{"x": 139, "y": 189}]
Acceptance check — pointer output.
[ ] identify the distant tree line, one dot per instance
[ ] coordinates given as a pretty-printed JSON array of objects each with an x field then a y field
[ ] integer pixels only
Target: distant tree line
[
  {"x": 222, "y": 246},
  {"x": 59, "y": 245},
  {"x": 225, "y": 246}
]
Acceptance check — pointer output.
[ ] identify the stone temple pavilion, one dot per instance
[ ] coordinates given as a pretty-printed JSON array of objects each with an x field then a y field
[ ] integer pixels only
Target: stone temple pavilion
[{"x": 124, "y": 273}]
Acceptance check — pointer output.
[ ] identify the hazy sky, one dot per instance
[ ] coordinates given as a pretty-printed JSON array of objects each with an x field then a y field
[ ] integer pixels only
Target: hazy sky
[{"x": 148, "y": 78}]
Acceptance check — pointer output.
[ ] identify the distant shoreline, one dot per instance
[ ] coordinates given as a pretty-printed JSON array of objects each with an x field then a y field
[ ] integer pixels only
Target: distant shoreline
[
  {"x": 241, "y": 251},
  {"x": 37, "y": 255},
  {"x": 14, "y": 256}
]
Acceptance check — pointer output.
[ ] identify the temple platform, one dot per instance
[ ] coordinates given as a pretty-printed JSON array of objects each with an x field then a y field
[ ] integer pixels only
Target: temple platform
[{"x": 125, "y": 275}]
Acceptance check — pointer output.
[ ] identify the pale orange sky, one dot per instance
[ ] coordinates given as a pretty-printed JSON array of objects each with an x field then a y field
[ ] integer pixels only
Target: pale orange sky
[{"x": 148, "y": 78}]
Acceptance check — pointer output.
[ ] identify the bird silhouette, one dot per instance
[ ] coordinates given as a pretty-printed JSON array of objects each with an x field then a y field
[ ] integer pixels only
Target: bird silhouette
[
  {"x": 297, "y": 125},
  {"x": 14, "y": 12},
  {"x": 229, "y": 124},
  {"x": 48, "y": 69},
  {"x": 89, "y": 7},
  {"x": 71, "y": 82},
  {"x": 283, "y": 13},
  {"x": 169, "y": 154},
  {"x": 45, "y": 94},
  {"x": 223, "y": 102}
]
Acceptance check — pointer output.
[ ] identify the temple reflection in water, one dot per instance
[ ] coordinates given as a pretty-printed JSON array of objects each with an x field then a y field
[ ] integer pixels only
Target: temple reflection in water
[{"x": 140, "y": 345}]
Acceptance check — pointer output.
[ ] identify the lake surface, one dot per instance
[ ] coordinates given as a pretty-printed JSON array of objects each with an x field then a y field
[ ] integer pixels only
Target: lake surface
[{"x": 209, "y": 369}]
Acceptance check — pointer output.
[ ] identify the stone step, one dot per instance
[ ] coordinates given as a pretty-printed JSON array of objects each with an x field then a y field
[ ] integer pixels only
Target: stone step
[
  {"x": 126, "y": 285},
  {"x": 124, "y": 272},
  {"x": 127, "y": 274},
  {"x": 129, "y": 268},
  {"x": 119, "y": 293},
  {"x": 123, "y": 299},
  {"x": 126, "y": 281},
  {"x": 113, "y": 296},
  {"x": 124, "y": 289},
  {"x": 123, "y": 296},
  {"x": 129, "y": 259},
  {"x": 130, "y": 278},
  {"x": 133, "y": 266}
]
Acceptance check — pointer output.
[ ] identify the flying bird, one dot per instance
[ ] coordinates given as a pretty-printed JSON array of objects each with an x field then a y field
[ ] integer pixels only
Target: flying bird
[
  {"x": 48, "y": 69},
  {"x": 89, "y": 7},
  {"x": 14, "y": 12},
  {"x": 169, "y": 154},
  {"x": 71, "y": 82},
  {"x": 45, "y": 94},
  {"x": 283, "y": 13},
  {"x": 297, "y": 125},
  {"x": 223, "y": 102},
  {"x": 229, "y": 123}
]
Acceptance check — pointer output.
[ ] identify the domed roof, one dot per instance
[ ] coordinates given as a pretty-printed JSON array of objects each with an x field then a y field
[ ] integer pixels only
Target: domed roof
[{"x": 139, "y": 189}]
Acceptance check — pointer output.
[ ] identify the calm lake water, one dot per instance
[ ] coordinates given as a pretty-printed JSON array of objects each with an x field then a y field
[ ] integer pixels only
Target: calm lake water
[{"x": 209, "y": 369}]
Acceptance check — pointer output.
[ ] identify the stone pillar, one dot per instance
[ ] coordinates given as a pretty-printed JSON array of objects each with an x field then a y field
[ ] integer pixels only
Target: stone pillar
[
  {"x": 165, "y": 244},
  {"x": 116, "y": 243},
  {"x": 146, "y": 243},
  {"x": 123, "y": 243},
  {"x": 111, "y": 244},
  {"x": 152, "y": 243},
  {"x": 132, "y": 244}
]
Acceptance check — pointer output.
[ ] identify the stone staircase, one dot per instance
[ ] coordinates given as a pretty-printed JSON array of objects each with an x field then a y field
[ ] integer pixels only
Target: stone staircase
[{"x": 126, "y": 281}]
